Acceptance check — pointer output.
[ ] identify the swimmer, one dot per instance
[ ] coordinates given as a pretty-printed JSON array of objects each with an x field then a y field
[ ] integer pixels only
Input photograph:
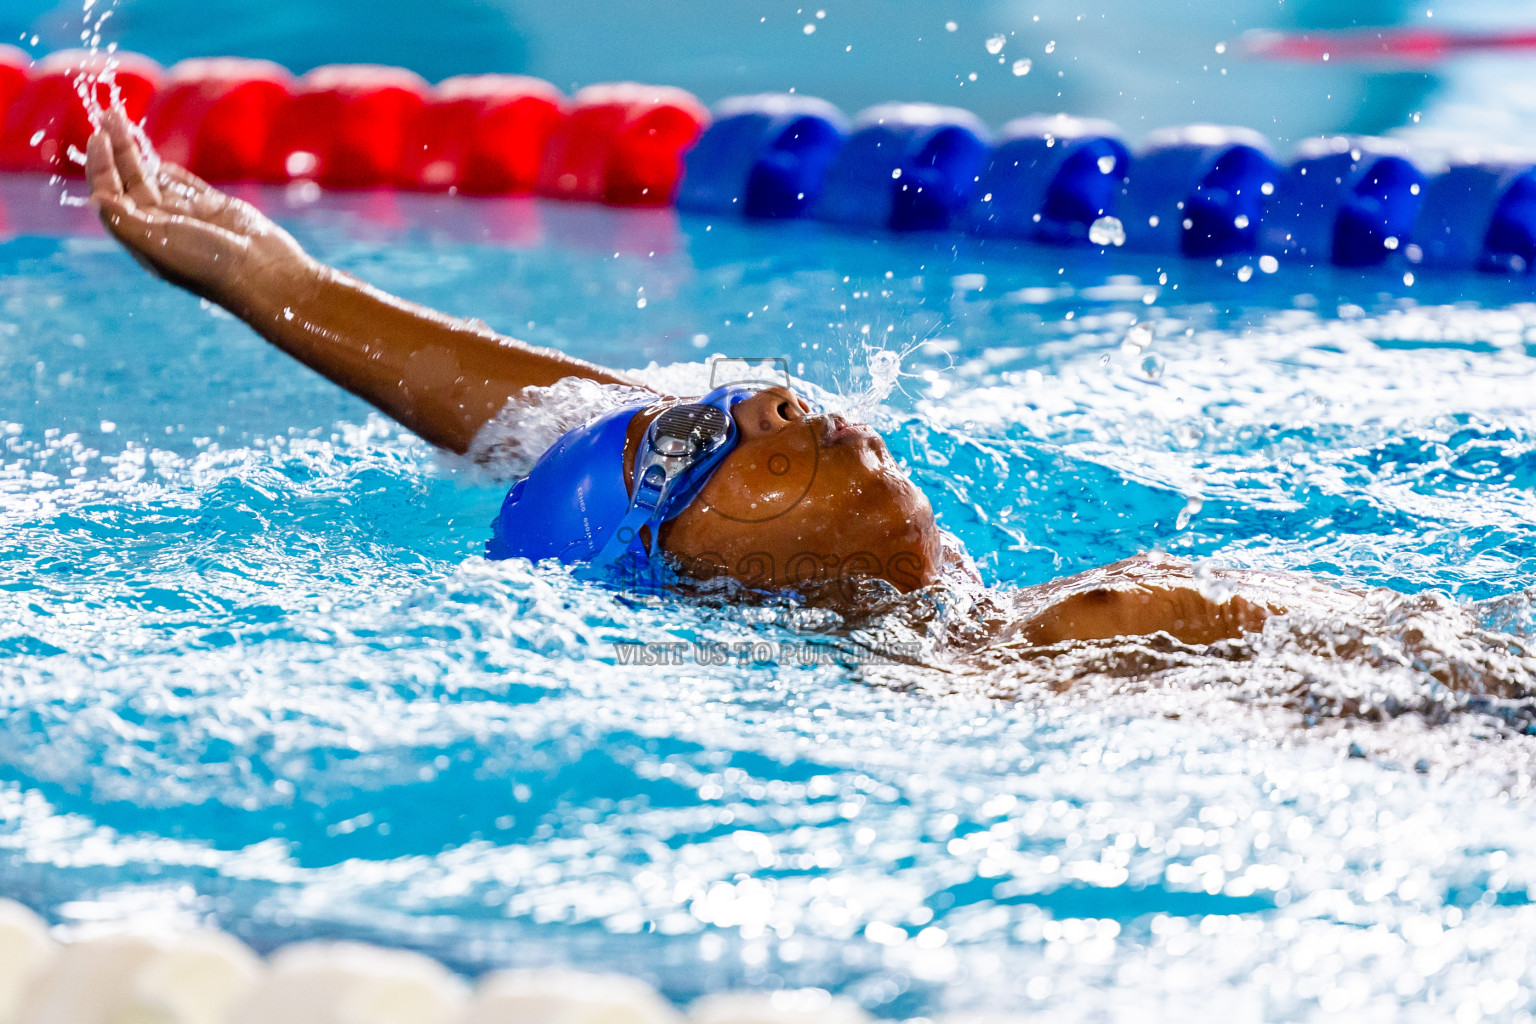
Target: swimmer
[{"x": 713, "y": 486}]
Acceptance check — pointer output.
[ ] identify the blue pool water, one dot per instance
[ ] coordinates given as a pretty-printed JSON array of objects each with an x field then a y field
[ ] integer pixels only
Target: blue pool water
[{"x": 253, "y": 673}]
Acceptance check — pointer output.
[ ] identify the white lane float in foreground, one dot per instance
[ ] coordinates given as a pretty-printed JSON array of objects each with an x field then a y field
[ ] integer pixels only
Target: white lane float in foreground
[{"x": 209, "y": 977}]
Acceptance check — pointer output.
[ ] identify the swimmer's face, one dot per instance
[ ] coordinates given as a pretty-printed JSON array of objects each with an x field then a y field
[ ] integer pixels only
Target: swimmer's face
[{"x": 804, "y": 500}]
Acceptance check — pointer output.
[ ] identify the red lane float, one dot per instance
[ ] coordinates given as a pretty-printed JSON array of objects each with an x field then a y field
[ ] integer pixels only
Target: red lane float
[
  {"x": 214, "y": 115},
  {"x": 13, "y": 76},
  {"x": 482, "y": 134},
  {"x": 345, "y": 126},
  {"x": 622, "y": 144},
  {"x": 48, "y": 118}
]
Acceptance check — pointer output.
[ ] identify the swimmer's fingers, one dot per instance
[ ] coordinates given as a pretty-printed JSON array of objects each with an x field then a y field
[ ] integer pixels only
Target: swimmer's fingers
[
  {"x": 190, "y": 183},
  {"x": 130, "y": 165},
  {"x": 207, "y": 203},
  {"x": 101, "y": 168},
  {"x": 184, "y": 189}
]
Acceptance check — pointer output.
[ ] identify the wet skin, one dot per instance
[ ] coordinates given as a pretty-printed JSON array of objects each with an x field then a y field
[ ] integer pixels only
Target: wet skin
[{"x": 803, "y": 498}]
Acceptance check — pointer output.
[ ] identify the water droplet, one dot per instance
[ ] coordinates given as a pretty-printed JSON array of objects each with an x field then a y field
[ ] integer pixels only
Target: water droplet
[
  {"x": 1268, "y": 188},
  {"x": 1268, "y": 264},
  {"x": 1191, "y": 509},
  {"x": 896, "y": 173},
  {"x": 1221, "y": 47},
  {"x": 1106, "y": 231},
  {"x": 1107, "y": 165},
  {"x": 884, "y": 369},
  {"x": 950, "y": 26},
  {"x": 1188, "y": 435},
  {"x": 1240, "y": 221},
  {"x": 996, "y": 43},
  {"x": 1152, "y": 365},
  {"x": 1050, "y": 47},
  {"x": 1021, "y": 67},
  {"x": 809, "y": 28},
  {"x": 1389, "y": 242},
  {"x": 1408, "y": 279},
  {"x": 1244, "y": 273},
  {"x": 640, "y": 303},
  {"x": 1137, "y": 339},
  {"x": 36, "y": 138}
]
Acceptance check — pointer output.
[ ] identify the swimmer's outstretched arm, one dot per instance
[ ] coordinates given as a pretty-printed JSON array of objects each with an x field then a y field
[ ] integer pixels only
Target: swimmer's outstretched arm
[{"x": 442, "y": 377}]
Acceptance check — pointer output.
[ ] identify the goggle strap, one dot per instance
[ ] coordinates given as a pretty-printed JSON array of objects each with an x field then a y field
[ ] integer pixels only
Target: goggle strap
[{"x": 626, "y": 538}]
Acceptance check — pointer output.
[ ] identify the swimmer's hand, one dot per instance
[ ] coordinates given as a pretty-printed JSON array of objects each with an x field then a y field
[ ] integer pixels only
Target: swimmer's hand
[
  {"x": 1141, "y": 596},
  {"x": 191, "y": 234}
]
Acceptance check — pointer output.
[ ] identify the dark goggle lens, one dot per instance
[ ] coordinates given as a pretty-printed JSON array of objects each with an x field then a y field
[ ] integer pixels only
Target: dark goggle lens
[{"x": 690, "y": 429}]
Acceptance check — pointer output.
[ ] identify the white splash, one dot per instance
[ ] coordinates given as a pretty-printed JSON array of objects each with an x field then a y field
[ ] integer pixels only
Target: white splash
[
  {"x": 537, "y": 417},
  {"x": 1106, "y": 231}
]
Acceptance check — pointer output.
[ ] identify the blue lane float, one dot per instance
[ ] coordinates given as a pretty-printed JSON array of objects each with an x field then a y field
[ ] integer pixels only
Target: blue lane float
[
  {"x": 1200, "y": 190},
  {"x": 1480, "y": 216},
  {"x": 1048, "y": 179},
  {"x": 1348, "y": 201},
  {"x": 764, "y": 156},
  {"x": 907, "y": 167}
]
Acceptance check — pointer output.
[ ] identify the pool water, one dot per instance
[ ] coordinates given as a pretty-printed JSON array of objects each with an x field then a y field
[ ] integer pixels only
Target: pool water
[{"x": 253, "y": 672}]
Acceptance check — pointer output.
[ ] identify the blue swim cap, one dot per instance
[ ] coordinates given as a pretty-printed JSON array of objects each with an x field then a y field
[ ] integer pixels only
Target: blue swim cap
[{"x": 574, "y": 506}]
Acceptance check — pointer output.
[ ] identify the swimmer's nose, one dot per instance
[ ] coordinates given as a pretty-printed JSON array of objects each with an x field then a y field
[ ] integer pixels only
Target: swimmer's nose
[{"x": 770, "y": 411}]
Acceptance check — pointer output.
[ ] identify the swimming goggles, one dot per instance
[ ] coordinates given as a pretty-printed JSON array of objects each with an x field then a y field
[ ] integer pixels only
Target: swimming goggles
[{"x": 679, "y": 451}]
